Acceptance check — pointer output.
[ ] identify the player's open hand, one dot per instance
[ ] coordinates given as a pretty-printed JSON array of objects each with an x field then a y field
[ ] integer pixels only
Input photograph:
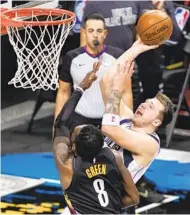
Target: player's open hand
[
  {"x": 91, "y": 76},
  {"x": 139, "y": 47}
]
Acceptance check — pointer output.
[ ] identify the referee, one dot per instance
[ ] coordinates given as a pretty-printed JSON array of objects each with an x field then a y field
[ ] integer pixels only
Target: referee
[{"x": 77, "y": 63}]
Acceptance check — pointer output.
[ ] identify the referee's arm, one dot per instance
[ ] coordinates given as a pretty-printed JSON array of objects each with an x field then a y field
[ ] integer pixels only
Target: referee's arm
[
  {"x": 63, "y": 94},
  {"x": 65, "y": 85}
]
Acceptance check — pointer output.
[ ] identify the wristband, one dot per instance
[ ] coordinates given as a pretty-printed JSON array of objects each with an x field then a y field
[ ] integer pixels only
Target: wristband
[
  {"x": 111, "y": 119},
  {"x": 79, "y": 89}
]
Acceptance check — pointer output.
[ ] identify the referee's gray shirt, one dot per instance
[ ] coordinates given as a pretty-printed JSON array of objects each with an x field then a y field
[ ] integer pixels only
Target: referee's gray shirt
[{"x": 76, "y": 64}]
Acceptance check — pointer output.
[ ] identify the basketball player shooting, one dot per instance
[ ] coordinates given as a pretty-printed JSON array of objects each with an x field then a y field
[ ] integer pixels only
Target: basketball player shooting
[
  {"x": 131, "y": 54},
  {"x": 94, "y": 179},
  {"x": 133, "y": 135}
]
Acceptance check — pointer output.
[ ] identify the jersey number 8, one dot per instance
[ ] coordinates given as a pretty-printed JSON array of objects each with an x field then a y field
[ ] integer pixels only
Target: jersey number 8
[{"x": 102, "y": 194}]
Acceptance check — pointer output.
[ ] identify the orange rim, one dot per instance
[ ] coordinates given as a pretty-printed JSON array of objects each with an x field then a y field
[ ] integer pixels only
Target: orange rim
[
  {"x": 7, "y": 16},
  {"x": 3, "y": 28}
]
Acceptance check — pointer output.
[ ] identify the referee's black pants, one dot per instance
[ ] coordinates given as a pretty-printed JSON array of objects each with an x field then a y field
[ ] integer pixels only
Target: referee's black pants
[{"x": 78, "y": 119}]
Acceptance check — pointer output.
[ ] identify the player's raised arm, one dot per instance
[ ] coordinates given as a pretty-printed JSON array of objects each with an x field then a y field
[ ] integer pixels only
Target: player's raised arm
[
  {"x": 106, "y": 82},
  {"x": 61, "y": 143}
]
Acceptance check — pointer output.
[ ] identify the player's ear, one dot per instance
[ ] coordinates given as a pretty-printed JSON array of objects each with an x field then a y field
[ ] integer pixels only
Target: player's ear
[
  {"x": 82, "y": 37},
  {"x": 105, "y": 33},
  {"x": 157, "y": 123},
  {"x": 73, "y": 147},
  {"x": 82, "y": 30}
]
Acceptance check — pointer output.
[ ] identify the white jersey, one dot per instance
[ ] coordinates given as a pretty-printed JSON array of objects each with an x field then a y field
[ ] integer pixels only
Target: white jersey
[{"x": 136, "y": 171}]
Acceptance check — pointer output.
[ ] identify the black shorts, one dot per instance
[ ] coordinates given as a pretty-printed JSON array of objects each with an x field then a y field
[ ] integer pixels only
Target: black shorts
[{"x": 129, "y": 210}]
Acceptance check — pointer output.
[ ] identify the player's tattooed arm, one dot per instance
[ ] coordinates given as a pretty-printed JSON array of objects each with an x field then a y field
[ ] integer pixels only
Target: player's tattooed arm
[
  {"x": 62, "y": 149},
  {"x": 113, "y": 103}
]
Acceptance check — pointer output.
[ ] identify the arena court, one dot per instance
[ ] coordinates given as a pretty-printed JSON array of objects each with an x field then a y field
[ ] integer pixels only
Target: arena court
[{"x": 29, "y": 179}]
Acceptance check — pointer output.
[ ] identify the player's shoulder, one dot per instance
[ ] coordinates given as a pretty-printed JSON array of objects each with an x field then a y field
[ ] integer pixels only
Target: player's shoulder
[
  {"x": 155, "y": 137},
  {"x": 114, "y": 51},
  {"x": 126, "y": 122},
  {"x": 117, "y": 159},
  {"x": 108, "y": 153},
  {"x": 152, "y": 143}
]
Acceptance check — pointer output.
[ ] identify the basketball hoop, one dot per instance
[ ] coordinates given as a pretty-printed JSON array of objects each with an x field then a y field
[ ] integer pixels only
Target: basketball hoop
[
  {"x": 38, "y": 46},
  {"x": 3, "y": 28}
]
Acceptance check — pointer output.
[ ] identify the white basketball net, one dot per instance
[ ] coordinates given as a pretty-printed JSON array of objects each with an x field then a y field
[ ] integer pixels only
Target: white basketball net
[{"x": 38, "y": 50}]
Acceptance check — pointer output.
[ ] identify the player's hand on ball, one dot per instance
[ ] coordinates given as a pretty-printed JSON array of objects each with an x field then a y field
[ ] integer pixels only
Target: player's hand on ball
[
  {"x": 155, "y": 27},
  {"x": 139, "y": 47},
  {"x": 90, "y": 77}
]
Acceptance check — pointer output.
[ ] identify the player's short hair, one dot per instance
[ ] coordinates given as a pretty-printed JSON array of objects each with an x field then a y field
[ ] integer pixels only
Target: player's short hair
[
  {"x": 167, "y": 114},
  {"x": 89, "y": 142},
  {"x": 94, "y": 16}
]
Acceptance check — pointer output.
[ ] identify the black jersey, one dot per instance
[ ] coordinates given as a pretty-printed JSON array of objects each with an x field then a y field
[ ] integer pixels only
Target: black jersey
[{"x": 96, "y": 187}]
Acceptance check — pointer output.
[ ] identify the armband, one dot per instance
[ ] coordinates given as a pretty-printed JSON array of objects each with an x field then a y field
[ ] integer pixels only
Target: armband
[
  {"x": 111, "y": 119},
  {"x": 79, "y": 89}
]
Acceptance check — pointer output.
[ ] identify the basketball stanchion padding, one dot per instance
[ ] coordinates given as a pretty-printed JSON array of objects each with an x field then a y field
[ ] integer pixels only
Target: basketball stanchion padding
[{"x": 38, "y": 45}]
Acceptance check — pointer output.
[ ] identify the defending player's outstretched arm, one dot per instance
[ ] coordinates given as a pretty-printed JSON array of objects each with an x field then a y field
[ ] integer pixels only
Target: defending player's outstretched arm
[
  {"x": 61, "y": 143},
  {"x": 62, "y": 148}
]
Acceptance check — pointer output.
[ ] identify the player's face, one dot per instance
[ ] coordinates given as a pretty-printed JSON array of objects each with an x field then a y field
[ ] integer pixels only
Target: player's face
[
  {"x": 95, "y": 30},
  {"x": 148, "y": 113}
]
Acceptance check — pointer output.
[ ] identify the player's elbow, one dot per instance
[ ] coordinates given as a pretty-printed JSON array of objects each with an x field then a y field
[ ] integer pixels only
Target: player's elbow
[
  {"x": 63, "y": 90},
  {"x": 131, "y": 200},
  {"x": 135, "y": 198},
  {"x": 104, "y": 128}
]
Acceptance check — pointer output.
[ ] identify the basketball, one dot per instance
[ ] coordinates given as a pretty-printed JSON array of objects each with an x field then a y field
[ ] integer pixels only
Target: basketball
[{"x": 154, "y": 27}]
